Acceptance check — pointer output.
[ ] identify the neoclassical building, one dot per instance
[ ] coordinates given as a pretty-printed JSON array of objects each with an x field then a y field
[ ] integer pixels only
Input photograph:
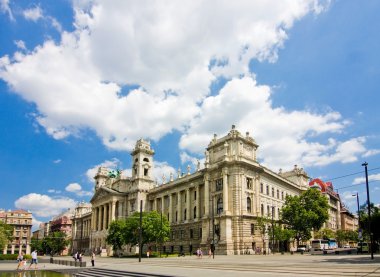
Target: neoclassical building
[{"x": 232, "y": 189}]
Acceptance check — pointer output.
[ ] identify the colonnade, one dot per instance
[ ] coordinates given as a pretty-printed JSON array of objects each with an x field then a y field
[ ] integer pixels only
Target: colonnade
[{"x": 103, "y": 215}]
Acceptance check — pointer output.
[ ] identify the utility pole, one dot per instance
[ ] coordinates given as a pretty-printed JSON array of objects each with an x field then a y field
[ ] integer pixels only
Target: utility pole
[
  {"x": 140, "y": 232},
  {"x": 213, "y": 227},
  {"x": 365, "y": 164}
]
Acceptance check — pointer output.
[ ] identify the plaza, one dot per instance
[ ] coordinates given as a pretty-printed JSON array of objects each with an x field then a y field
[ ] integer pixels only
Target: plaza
[{"x": 232, "y": 265}]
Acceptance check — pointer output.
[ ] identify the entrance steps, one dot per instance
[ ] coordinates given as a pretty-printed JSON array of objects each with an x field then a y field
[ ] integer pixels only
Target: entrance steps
[{"x": 103, "y": 272}]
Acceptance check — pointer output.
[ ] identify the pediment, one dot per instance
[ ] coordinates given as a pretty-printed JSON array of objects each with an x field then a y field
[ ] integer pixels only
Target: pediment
[{"x": 104, "y": 192}]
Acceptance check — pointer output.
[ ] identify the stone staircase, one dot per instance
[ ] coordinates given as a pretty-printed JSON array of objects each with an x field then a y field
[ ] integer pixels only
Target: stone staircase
[{"x": 103, "y": 272}]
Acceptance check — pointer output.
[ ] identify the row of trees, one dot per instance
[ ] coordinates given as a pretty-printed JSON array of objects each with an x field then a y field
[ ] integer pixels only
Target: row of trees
[
  {"x": 6, "y": 234},
  {"x": 155, "y": 230},
  {"x": 53, "y": 244}
]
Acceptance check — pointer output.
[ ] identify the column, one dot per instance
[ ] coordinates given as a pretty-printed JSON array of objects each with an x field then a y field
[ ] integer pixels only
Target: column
[
  {"x": 113, "y": 210},
  {"x": 170, "y": 208},
  {"x": 179, "y": 206},
  {"x": 104, "y": 217},
  {"x": 199, "y": 203},
  {"x": 206, "y": 197},
  {"x": 188, "y": 204},
  {"x": 99, "y": 216},
  {"x": 162, "y": 204},
  {"x": 225, "y": 190},
  {"x": 155, "y": 204}
]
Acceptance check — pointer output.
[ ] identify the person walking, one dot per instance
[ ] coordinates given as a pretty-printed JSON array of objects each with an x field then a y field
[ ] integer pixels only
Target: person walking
[
  {"x": 93, "y": 258},
  {"x": 34, "y": 259},
  {"x": 20, "y": 260}
]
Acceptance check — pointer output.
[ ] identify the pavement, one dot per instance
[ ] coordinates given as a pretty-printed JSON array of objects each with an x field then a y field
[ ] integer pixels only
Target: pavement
[{"x": 243, "y": 265}]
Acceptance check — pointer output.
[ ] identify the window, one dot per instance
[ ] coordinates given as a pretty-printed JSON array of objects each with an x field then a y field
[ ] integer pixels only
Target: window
[
  {"x": 282, "y": 195},
  {"x": 261, "y": 187},
  {"x": 278, "y": 194},
  {"x": 262, "y": 209},
  {"x": 219, "y": 184},
  {"x": 267, "y": 189},
  {"x": 249, "y": 205},
  {"x": 191, "y": 233},
  {"x": 273, "y": 212},
  {"x": 146, "y": 160},
  {"x": 184, "y": 214},
  {"x": 176, "y": 216},
  {"x": 278, "y": 212},
  {"x": 249, "y": 183},
  {"x": 145, "y": 172},
  {"x": 252, "y": 229},
  {"x": 195, "y": 195},
  {"x": 272, "y": 192},
  {"x": 268, "y": 210},
  {"x": 219, "y": 206},
  {"x": 195, "y": 212}
]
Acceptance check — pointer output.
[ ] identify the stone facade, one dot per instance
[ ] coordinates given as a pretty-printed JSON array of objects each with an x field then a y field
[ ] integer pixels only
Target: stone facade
[
  {"x": 232, "y": 189},
  {"x": 81, "y": 228},
  {"x": 63, "y": 223},
  {"x": 21, "y": 220}
]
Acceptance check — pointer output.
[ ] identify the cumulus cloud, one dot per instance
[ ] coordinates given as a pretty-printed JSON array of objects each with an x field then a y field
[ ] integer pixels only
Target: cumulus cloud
[
  {"x": 111, "y": 164},
  {"x": 4, "y": 8},
  {"x": 54, "y": 191},
  {"x": 361, "y": 180},
  {"x": 33, "y": 14},
  {"x": 162, "y": 169},
  {"x": 77, "y": 189},
  {"x": 44, "y": 205},
  {"x": 20, "y": 44},
  {"x": 157, "y": 75}
]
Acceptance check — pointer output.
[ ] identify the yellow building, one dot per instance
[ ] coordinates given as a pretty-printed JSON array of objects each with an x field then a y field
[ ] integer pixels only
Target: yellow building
[{"x": 21, "y": 220}]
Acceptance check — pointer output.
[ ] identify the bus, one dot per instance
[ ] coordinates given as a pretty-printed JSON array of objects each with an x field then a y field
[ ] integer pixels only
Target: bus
[
  {"x": 333, "y": 244},
  {"x": 319, "y": 244}
]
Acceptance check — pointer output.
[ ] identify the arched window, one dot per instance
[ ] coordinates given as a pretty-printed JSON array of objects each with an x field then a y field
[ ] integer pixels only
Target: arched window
[
  {"x": 249, "y": 205},
  {"x": 219, "y": 206},
  {"x": 146, "y": 160}
]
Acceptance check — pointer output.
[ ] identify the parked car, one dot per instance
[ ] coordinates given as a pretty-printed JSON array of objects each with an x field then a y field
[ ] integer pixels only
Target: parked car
[{"x": 301, "y": 248}]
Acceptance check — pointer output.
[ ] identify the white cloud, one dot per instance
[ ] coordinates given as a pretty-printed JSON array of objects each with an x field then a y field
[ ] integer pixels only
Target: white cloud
[
  {"x": 361, "y": 180},
  {"x": 33, "y": 14},
  {"x": 285, "y": 137},
  {"x": 166, "y": 48},
  {"x": 35, "y": 223},
  {"x": 4, "y": 8},
  {"x": 20, "y": 44},
  {"x": 111, "y": 164},
  {"x": 54, "y": 191},
  {"x": 77, "y": 189},
  {"x": 57, "y": 161},
  {"x": 372, "y": 152},
  {"x": 44, "y": 205},
  {"x": 162, "y": 169},
  {"x": 172, "y": 52}
]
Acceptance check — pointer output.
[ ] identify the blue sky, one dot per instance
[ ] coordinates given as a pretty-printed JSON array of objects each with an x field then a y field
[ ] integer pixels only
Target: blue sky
[{"x": 81, "y": 81}]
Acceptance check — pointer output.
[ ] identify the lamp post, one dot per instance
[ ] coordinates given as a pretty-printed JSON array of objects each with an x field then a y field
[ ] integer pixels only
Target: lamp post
[
  {"x": 272, "y": 230},
  {"x": 365, "y": 164},
  {"x": 213, "y": 228},
  {"x": 357, "y": 201}
]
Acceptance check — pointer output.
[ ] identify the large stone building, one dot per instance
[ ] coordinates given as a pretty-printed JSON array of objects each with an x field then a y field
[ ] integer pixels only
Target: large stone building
[
  {"x": 81, "y": 228},
  {"x": 21, "y": 220},
  {"x": 233, "y": 186}
]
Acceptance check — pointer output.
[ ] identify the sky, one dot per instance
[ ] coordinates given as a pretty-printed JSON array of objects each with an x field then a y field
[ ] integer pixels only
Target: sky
[{"x": 81, "y": 81}]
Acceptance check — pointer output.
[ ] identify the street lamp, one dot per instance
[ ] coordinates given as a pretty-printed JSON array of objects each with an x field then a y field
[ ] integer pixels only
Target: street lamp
[
  {"x": 365, "y": 164},
  {"x": 357, "y": 201}
]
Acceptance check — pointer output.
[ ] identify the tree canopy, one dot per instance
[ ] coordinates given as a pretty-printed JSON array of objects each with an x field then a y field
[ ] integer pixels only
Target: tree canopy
[
  {"x": 305, "y": 213},
  {"x": 375, "y": 222},
  {"x": 155, "y": 229},
  {"x": 55, "y": 243},
  {"x": 6, "y": 234}
]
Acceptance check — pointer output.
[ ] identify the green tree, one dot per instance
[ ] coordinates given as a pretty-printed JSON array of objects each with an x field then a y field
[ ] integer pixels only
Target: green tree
[
  {"x": 153, "y": 229},
  {"x": 55, "y": 243},
  {"x": 283, "y": 235},
  {"x": 324, "y": 233},
  {"x": 305, "y": 213},
  {"x": 38, "y": 245},
  {"x": 115, "y": 235},
  {"x": 375, "y": 222},
  {"x": 6, "y": 232}
]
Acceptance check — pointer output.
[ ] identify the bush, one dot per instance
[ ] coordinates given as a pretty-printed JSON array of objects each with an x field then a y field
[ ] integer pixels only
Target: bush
[{"x": 11, "y": 257}]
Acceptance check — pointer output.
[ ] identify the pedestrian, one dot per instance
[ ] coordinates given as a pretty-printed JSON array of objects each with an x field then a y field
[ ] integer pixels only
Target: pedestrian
[
  {"x": 93, "y": 258},
  {"x": 20, "y": 260},
  {"x": 75, "y": 256},
  {"x": 80, "y": 256},
  {"x": 147, "y": 253},
  {"x": 209, "y": 252},
  {"x": 34, "y": 259}
]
